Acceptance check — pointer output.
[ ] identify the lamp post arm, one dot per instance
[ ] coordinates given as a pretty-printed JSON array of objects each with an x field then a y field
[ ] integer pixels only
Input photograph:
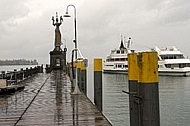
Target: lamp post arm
[{"x": 75, "y": 25}]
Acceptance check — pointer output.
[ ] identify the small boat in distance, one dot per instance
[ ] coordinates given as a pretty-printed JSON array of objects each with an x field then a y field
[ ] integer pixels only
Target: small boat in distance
[{"x": 171, "y": 62}]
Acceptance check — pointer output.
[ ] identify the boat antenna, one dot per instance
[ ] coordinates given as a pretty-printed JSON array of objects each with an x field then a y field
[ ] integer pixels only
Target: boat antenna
[
  {"x": 128, "y": 43},
  {"x": 125, "y": 40}
]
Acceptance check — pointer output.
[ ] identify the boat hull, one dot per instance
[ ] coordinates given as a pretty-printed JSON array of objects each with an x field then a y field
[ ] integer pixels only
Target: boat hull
[
  {"x": 160, "y": 73},
  {"x": 115, "y": 71},
  {"x": 174, "y": 73}
]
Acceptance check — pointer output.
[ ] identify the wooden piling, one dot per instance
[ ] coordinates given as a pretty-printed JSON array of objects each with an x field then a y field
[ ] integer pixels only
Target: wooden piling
[
  {"x": 148, "y": 89},
  {"x": 98, "y": 83},
  {"x": 133, "y": 89},
  {"x": 82, "y": 77},
  {"x": 79, "y": 65}
]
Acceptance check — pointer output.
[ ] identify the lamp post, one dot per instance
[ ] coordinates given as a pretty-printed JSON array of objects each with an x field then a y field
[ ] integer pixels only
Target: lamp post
[{"x": 75, "y": 25}]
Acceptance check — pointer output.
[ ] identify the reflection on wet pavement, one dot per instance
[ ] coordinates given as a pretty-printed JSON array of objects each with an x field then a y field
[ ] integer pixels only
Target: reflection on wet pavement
[{"x": 47, "y": 100}]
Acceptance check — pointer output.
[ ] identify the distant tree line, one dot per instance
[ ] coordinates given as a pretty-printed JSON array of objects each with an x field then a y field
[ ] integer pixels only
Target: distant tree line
[{"x": 18, "y": 62}]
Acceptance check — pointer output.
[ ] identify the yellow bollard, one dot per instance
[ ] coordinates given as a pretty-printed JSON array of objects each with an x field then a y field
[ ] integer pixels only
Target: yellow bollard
[
  {"x": 148, "y": 67},
  {"x": 98, "y": 83},
  {"x": 98, "y": 65},
  {"x": 133, "y": 89},
  {"x": 148, "y": 88},
  {"x": 83, "y": 78}
]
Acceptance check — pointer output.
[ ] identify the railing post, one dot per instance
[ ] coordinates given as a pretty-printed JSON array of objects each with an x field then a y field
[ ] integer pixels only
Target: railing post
[
  {"x": 3, "y": 75},
  {"x": 98, "y": 83},
  {"x": 15, "y": 75}
]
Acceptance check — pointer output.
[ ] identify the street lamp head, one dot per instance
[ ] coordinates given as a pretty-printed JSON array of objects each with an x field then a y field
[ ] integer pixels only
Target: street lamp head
[{"x": 66, "y": 14}]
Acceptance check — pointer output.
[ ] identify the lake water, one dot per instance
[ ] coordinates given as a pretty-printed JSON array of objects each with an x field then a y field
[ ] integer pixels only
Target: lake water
[
  {"x": 174, "y": 97},
  {"x": 174, "y": 93}
]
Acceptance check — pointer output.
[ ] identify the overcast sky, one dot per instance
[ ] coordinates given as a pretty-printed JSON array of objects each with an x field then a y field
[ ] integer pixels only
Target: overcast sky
[{"x": 26, "y": 29}]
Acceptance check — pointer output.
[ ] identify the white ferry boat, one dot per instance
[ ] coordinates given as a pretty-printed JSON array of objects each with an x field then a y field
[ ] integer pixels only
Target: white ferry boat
[
  {"x": 116, "y": 62},
  {"x": 171, "y": 61}
]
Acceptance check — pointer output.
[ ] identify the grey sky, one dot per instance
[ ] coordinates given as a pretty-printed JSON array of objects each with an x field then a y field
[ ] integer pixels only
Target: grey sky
[{"x": 27, "y": 30}]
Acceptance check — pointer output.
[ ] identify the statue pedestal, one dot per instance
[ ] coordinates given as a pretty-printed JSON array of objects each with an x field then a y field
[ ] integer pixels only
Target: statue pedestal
[{"x": 58, "y": 59}]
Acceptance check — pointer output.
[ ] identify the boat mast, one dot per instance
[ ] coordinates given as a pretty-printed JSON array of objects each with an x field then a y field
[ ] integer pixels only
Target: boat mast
[{"x": 121, "y": 45}]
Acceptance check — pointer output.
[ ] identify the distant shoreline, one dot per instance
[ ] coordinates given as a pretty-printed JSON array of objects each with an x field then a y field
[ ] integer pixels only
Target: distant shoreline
[{"x": 18, "y": 62}]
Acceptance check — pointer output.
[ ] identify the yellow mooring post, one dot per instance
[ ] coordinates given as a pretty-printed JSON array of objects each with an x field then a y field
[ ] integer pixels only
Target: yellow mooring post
[
  {"x": 148, "y": 88},
  {"x": 133, "y": 89},
  {"x": 79, "y": 65},
  {"x": 98, "y": 83},
  {"x": 82, "y": 77}
]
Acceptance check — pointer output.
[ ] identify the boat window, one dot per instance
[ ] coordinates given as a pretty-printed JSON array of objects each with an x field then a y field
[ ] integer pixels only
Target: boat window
[
  {"x": 184, "y": 65},
  {"x": 116, "y": 59},
  {"x": 172, "y": 56},
  {"x": 119, "y": 66},
  {"x": 188, "y": 65},
  {"x": 125, "y": 66},
  {"x": 108, "y": 60},
  {"x": 118, "y": 52},
  {"x": 123, "y": 59},
  {"x": 174, "y": 65},
  {"x": 122, "y": 51},
  {"x": 161, "y": 66},
  {"x": 168, "y": 65},
  {"x": 180, "y": 57},
  {"x": 163, "y": 57},
  {"x": 181, "y": 65},
  {"x": 108, "y": 65}
]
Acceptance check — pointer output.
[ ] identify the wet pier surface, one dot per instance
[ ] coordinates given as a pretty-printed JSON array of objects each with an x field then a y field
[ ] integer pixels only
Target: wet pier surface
[{"x": 47, "y": 100}]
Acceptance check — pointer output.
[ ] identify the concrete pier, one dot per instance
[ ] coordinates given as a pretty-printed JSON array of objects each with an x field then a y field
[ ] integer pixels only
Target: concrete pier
[{"x": 47, "y": 100}]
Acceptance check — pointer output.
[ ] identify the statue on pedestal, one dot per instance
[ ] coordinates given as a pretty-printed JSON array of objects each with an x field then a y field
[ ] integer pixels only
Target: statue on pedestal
[
  {"x": 57, "y": 55},
  {"x": 57, "y": 31}
]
